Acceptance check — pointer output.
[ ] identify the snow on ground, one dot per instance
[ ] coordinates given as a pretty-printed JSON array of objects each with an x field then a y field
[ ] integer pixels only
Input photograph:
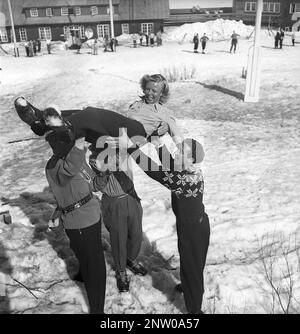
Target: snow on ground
[{"x": 251, "y": 172}]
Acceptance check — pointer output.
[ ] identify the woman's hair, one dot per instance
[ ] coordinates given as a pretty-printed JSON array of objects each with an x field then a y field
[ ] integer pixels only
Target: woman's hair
[{"x": 157, "y": 78}]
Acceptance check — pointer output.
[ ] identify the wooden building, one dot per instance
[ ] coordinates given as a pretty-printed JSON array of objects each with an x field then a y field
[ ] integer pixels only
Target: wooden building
[
  {"x": 276, "y": 13},
  {"x": 44, "y": 19}
]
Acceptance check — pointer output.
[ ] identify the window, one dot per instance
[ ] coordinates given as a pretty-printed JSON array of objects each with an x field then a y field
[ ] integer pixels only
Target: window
[
  {"x": 77, "y": 11},
  {"x": 250, "y": 6},
  {"x": 49, "y": 12},
  {"x": 277, "y": 7},
  {"x": 125, "y": 28},
  {"x": 75, "y": 30},
  {"x": 64, "y": 11},
  {"x": 94, "y": 10},
  {"x": 116, "y": 9},
  {"x": 103, "y": 30},
  {"x": 271, "y": 7},
  {"x": 287, "y": 28},
  {"x": 274, "y": 7},
  {"x": 45, "y": 33},
  {"x": 3, "y": 35},
  {"x": 23, "y": 34},
  {"x": 147, "y": 28},
  {"x": 103, "y": 10},
  {"x": 294, "y": 8},
  {"x": 265, "y": 7},
  {"x": 34, "y": 12}
]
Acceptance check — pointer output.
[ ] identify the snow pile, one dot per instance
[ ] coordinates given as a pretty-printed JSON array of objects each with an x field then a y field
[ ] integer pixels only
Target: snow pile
[
  {"x": 124, "y": 38},
  {"x": 215, "y": 30}
]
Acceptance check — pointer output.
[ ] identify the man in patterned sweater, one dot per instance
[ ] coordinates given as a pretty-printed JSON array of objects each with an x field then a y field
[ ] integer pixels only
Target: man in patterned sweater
[{"x": 192, "y": 223}]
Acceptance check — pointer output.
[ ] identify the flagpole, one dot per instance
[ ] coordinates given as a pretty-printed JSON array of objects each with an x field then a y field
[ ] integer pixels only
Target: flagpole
[
  {"x": 13, "y": 29},
  {"x": 111, "y": 12},
  {"x": 254, "y": 60}
]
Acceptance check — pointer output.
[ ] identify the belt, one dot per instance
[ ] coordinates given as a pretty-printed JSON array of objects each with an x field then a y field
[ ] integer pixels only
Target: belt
[{"x": 78, "y": 204}]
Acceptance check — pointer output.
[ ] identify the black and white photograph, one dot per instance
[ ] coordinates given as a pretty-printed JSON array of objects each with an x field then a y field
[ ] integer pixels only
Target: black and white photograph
[{"x": 150, "y": 158}]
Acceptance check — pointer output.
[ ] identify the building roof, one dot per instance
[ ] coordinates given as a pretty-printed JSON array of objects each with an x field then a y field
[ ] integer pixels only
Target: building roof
[
  {"x": 17, "y": 9},
  {"x": 67, "y": 20},
  {"x": 64, "y": 3}
]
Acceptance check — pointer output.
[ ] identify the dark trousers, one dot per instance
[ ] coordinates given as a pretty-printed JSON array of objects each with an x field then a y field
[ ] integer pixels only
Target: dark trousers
[
  {"x": 95, "y": 122},
  {"x": 27, "y": 51},
  {"x": 276, "y": 43},
  {"x": 280, "y": 42},
  {"x": 196, "y": 44},
  {"x": 203, "y": 46},
  {"x": 123, "y": 219},
  {"x": 193, "y": 240},
  {"x": 293, "y": 41},
  {"x": 233, "y": 45},
  {"x": 87, "y": 246}
]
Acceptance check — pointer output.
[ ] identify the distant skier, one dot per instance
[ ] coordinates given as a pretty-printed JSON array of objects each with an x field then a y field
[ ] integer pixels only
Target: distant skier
[
  {"x": 147, "y": 39},
  {"x": 293, "y": 37},
  {"x": 196, "y": 42},
  {"x": 281, "y": 38},
  {"x": 277, "y": 39},
  {"x": 27, "y": 48},
  {"x": 134, "y": 38},
  {"x": 152, "y": 36},
  {"x": 203, "y": 40},
  {"x": 234, "y": 41}
]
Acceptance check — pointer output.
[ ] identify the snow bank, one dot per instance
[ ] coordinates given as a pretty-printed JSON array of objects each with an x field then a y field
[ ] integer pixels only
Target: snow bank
[{"x": 215, "y": 30}]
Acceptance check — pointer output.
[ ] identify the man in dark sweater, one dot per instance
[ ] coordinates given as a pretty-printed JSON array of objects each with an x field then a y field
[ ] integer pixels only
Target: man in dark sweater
[{"x": 70, "y": 179}]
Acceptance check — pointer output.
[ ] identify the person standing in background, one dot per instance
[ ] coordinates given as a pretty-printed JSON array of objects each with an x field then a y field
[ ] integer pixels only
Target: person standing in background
[
  {"x": 48, "y": 43},
  {"x": 34, "y": 47},
  {"x": 152, "y": 36},
  {"x": 234, "y": 41},
  {"x": 134, "y": 38},
  {"x": 95, "y": 47},
  {"x": 281, "y": 38},
  {"x": 203, "y": 40},
  {"x": 30, "y": 45},
  {"x": 39, "y": 45},
  {"x": 196, "y": 42},
  {"x": 159, "y": 38},
  {"x": 293, "y": 36},
  {"x": 277, "y": 39},
  {"x": 147, "y": 39},
  {"x": 141, "y": 38},
  {"x": 27, "y": 48}
]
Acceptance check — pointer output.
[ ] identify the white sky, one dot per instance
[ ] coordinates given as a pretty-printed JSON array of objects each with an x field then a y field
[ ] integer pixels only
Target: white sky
[{"x": 201, "y": 3}]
